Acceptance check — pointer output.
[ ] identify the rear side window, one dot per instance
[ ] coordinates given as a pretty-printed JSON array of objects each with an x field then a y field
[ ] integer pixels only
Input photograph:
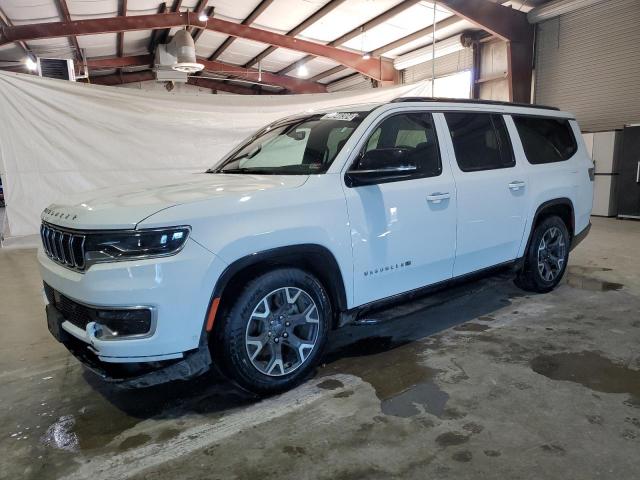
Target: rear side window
[
  {"x": 546, "y": 140},
  {"x": 480, "y": 141}
]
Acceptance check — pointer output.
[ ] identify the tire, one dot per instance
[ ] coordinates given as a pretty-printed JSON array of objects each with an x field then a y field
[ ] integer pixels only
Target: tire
[
  {"x": 546, "y": 257},
  {"x": 285, "y": 311}
]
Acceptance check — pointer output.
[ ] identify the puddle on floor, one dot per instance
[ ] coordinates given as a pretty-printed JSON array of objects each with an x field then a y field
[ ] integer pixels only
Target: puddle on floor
[
  {"x": 60, "y": 434},
  {"x": 591, "y": 370},
  {"x": 404, "y": 386},
  {"x": 578, "y": 277}
]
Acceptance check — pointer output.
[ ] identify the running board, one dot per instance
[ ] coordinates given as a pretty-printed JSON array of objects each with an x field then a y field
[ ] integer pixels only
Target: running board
[{"x": 408, "y": 303}]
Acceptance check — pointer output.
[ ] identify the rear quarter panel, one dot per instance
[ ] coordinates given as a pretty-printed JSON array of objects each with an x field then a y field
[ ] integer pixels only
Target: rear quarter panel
[{"x": 551, "y": 181}]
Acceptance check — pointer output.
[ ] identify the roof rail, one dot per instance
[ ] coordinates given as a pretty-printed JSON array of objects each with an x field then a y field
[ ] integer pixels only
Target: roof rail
[{"x": 463, "y": 100}]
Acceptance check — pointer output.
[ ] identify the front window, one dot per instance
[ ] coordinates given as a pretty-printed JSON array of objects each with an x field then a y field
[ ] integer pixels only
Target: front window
[{"x": 299, "y": 146}]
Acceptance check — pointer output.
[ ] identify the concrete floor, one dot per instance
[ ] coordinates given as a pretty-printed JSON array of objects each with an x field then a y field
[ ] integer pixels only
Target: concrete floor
[{"x": 487, "y": 382}]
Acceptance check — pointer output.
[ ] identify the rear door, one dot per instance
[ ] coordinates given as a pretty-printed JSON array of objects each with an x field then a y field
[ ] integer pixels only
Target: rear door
[
  {"x": 403, "y": 233},
  {"x": 491, "y": 188}
]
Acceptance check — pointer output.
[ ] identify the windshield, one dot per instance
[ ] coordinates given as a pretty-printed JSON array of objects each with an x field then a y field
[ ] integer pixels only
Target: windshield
[{"x": 299, "y": 146}]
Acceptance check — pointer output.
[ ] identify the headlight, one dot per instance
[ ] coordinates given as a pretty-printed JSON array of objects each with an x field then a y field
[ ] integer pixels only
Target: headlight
[{"x": 135, "y": 244}]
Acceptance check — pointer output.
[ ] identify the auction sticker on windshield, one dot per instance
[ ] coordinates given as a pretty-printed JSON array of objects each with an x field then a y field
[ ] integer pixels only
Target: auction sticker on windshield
[{"x": 347, "y": 117}]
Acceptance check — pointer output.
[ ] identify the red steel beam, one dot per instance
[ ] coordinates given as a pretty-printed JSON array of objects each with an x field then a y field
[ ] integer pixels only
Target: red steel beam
[
  {"x": 511, "y": 26},
  {"x": 425, "y": 32},
  {"x": 224, "y": 87},
  {"x": 120, "y": 78},
  {"x": 294, "y": 85},
  {"x": 63, "y": 9},
  {"x": 504, "y": 22},
  {"x": 198, "y": 33},
  {"x": 260, "y": 8},
  {"x": 197, "y": 10},
  {"x": 5, "y": 23},
  {"x": 98, "y": 25},
  {"x": 374, "y": 22},
  {"x": 374, "y": 68},
  {"x": 134, "y": 77},
  {"x": 108, "y": 63},
  {"x": 317, "y": 15}
]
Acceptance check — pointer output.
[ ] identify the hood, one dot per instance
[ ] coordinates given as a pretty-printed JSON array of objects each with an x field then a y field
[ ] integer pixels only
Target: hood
[{"x": 126, "y": 206}]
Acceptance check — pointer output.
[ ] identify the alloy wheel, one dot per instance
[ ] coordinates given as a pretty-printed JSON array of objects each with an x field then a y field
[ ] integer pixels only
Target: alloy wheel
[
  {"x": 282, "y": 331},
  {"x": 551, "y": 254}
]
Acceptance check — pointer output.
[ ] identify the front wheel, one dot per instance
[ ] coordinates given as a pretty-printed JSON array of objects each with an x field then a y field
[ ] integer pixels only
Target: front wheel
[
  {"x": 546, "y": 257},
  {"x": 275, "y": 331}
]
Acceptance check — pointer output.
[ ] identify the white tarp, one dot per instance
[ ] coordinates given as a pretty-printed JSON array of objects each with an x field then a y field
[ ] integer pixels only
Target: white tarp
[{"x": 58, "y": 137}]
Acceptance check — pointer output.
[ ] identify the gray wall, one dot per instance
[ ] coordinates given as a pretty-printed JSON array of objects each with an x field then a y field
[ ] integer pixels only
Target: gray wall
[{"x": 588, "y": 62}]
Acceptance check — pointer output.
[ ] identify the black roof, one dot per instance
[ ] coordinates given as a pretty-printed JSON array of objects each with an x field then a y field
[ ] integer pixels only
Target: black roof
[{"x": 472, "y": 102}]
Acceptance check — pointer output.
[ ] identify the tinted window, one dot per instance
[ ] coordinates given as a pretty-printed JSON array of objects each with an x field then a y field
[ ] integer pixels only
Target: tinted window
[
  {"x": 546, "y": 140},
  {"x": 411, "y": 131},
  {"x": 480, "y": 141}
]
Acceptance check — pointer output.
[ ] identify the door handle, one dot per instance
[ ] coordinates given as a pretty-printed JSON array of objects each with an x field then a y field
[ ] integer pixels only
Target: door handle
[
  {"x": 438, "y": 197},
  {"x": 517, "y": 185}
]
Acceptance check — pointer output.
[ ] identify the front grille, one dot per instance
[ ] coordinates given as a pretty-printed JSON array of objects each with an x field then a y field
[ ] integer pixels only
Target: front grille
[
  {"x": 63, "y": 246},
  {"x": 72, "y": 312}
]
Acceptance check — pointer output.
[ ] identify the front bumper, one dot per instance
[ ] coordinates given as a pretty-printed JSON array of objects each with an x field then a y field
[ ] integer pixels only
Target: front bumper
[
  {"x": 177, "y": 288},
  {"x": 133, "y": 374}
]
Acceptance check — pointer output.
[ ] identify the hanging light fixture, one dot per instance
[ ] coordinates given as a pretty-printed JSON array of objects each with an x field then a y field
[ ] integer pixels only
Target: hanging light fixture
[
  {"x": 31, "y": 65},
  {"x": 303, "y": 71}
]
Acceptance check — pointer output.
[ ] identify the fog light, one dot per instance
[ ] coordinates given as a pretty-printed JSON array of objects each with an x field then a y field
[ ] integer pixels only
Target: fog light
[{"x": 123, "y": 323}]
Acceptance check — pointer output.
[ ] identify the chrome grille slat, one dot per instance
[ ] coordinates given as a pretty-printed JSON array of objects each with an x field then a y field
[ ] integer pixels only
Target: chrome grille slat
[
  {"x": 47, "y": 242},
  {"x": 60, "y": 239},
  {"x": 80, "y": 258},
  {"x": 63, "y": 246},
  {"x": 54, "y": 244},
  {"x": 73, "y": 260}
]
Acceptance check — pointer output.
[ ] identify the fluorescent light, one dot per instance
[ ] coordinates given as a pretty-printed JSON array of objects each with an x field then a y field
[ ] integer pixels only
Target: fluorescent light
[
  {"x": 203, "y": 17},
  {"x": 31, "y": 65},
  {"x": 303, "y": 71},
  {"x": 366, "y": 56}
]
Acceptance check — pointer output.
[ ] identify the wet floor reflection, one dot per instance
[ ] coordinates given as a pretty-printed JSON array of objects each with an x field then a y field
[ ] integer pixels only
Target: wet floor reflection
[
  {"x": 591, "y": 370},
  {"x": 86, "y": 414},
  {"x": 386, "y": 355}
]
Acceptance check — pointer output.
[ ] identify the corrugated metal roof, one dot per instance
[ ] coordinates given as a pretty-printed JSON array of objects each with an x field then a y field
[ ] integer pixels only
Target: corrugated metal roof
[{"x": 281, "y": 16}]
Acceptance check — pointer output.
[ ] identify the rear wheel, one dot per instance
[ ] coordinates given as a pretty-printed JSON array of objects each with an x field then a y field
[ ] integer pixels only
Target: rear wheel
[
  {"x": 547, "y": 256},
  {"x": 275, "y": 332}
]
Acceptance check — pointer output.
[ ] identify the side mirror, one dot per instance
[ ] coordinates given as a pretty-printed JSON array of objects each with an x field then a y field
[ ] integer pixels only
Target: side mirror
[{"x": 382, "y": 165}]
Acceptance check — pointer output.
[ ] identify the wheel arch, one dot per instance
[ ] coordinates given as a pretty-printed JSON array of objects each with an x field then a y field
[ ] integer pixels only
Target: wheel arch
[
  {"x": 562, "y": 207},
  {"x": 316, "y": 259}
]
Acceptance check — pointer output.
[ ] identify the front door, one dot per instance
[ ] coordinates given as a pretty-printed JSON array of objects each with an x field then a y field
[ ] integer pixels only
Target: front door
[
  {"x": 492, "y": 191},
  {"x": 403, "y": 233}
]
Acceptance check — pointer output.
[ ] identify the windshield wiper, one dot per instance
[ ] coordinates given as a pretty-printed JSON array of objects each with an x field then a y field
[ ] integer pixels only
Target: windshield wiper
[{"x": 246, "y": 170}]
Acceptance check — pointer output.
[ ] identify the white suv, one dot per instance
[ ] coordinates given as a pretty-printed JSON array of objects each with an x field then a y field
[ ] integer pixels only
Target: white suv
[{"x": 308, "y": 224}]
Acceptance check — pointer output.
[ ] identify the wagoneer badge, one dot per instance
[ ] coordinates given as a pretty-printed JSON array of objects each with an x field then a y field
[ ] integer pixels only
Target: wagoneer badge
[{"x": 61, "y": 215}]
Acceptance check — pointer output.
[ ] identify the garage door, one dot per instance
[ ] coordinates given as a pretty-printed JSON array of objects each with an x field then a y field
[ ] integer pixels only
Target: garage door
[{"x": 588, "y": 62}]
